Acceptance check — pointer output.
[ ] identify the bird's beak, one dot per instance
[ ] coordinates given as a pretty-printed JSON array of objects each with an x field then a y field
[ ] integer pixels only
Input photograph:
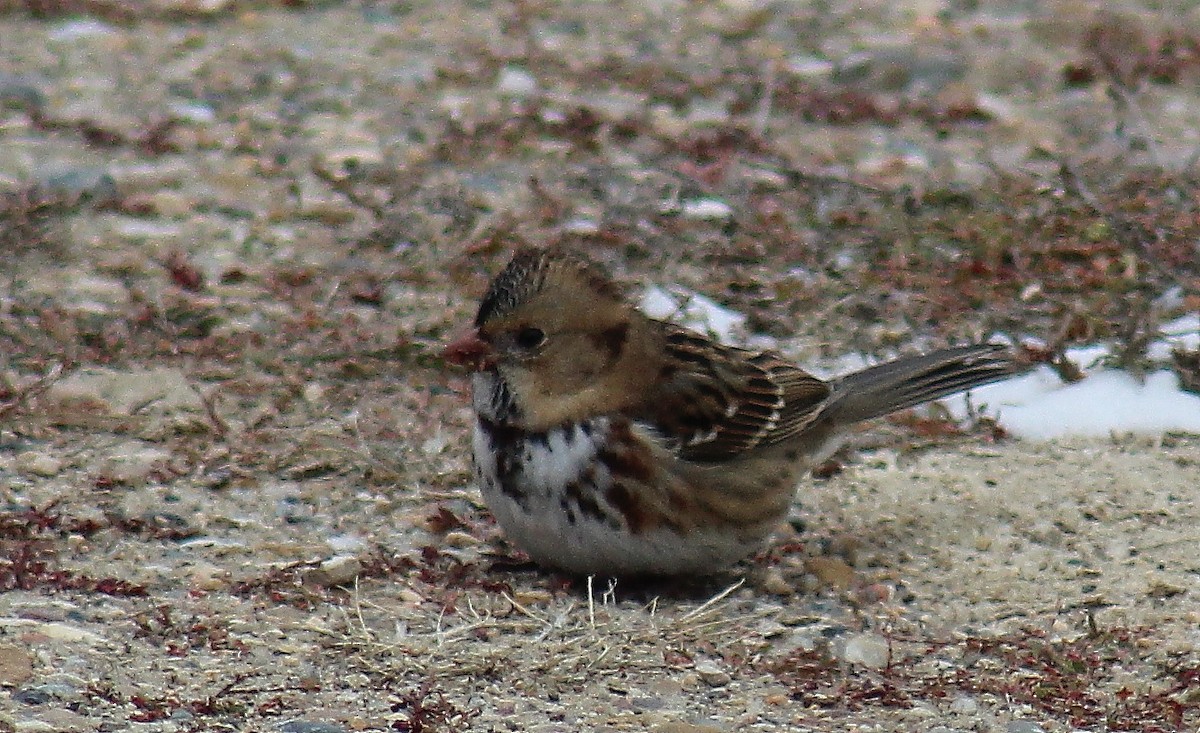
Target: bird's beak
[{"x": 468, "y": 349}]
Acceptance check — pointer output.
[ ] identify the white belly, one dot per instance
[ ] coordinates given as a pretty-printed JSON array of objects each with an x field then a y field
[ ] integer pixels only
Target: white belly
[{"x": 578, "y": 530}]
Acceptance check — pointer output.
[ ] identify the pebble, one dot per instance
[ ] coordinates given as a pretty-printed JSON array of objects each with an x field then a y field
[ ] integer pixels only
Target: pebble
[
  {"x": 316, "y": 202},
  {"x": 964, "y": 705},
  {"x": 313, "y": 393},
  {"x": 32, "y": 696},
  {"x": 777, "y": 699},
  {"x": 810, "y": 66},
  {"x": 161, "y": 389},
  {"x": 706, "y": 209},
  {"x": 644, "y": 703},
  {"x": 769, "y": 628},
  {"x": 38, "y": 464},
  {"x": 132, "y": 462},
  {"x": 516, "y": 82},
  {"x": 205, "y": 576},
  {"x": 55, "y": 691},
  {"x": 21, "y": 90},
  {"x": 772, "y": 581},
  {"x": 172, "y": 204},
  {"x": 461, "y": 539},
  {"x": 76, "y": 30},
  {"x": 869, "y": 650},
  {"x": 713, "y": 675},
  {"x": 193, "y": 112},
  {"x": 1024, "y": 726},
  {"x": 690, "y": 682},
  {"x": 147, "y": 231},
  {"x": 337, "y": 570},
  {"x": 54, "y": 631},
  {"x": 16, "y": 665},
  {"x": 831, "y": 571},
  {"x": 87, "y": 183}
]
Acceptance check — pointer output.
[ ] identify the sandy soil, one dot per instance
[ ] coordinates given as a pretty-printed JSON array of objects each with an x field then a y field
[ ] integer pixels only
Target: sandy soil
[{"x": 234, "y": 484}]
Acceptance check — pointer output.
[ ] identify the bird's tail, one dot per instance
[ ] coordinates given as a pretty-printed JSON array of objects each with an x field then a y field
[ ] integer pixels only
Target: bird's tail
[{"x": 908, "y": 381}]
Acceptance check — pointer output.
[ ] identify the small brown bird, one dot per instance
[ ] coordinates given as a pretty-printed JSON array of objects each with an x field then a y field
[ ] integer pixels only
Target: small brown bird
[{"x": 609, "y": 442}]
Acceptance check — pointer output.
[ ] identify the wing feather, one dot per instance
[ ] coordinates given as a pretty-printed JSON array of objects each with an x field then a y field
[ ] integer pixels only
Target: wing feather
[{"x": 719, "y": 401}]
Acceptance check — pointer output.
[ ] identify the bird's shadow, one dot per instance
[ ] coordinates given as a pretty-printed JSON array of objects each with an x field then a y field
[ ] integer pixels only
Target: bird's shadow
[{"x": 637, "y": 589}]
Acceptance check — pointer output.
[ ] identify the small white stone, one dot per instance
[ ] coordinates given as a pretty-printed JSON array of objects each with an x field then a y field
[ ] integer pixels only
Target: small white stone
[
  {"x": 461, "y": 539},
  {"x": 809, "y": 66},
  {"x": 54, "y": 630},
  {"x": 964, "y": 705},
  {"x": 74, "y": 30},
  {"x": 161, "y": 389},
  {"x": 868, "y": 650},
  {"x": 132, "y": 462},
  {"x": 516, "y": 82},
  {"x": 313, "y": 393},
  {"x": 581, "y": 225},
  {"x": 713, "y": 675},
  {"x": 38, "y": 464},
  {"x": 337, "y": 570},
  {"x": 706, "y": 209}
]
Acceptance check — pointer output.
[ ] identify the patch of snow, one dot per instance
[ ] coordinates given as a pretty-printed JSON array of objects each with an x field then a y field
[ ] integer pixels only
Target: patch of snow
[
  {"x": 1039, "y": 406},
  {"x": 1181, "y": 333},
  {"x": 694, "y": 311}
]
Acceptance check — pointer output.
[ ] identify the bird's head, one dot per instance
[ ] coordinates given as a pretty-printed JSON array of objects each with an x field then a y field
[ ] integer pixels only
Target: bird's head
[{"x": 559, "y": 332}]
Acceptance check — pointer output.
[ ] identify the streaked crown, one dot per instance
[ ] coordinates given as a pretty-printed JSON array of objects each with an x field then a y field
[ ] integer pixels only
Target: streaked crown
[{"x": 533, "y": 270}]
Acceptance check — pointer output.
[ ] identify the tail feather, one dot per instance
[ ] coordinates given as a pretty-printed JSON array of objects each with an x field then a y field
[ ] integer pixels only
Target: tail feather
[{"x": 885, "y": 388}]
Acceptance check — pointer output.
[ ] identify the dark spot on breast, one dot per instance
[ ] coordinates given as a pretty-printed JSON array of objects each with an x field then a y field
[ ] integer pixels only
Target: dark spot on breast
[
  {"x": 504, "y": 434},
  {"x": 509, "y": 446}
]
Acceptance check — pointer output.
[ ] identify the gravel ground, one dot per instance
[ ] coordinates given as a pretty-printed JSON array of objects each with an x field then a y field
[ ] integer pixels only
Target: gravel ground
[{"x": 234, "y": 484}]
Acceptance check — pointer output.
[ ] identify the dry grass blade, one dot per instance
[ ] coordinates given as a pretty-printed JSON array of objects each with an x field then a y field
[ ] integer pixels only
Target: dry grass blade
[{"x": 711, "y": 603}]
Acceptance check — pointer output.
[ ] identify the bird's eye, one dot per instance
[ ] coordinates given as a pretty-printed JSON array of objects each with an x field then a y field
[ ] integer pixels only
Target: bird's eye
[{"x": 530, "y": 337}]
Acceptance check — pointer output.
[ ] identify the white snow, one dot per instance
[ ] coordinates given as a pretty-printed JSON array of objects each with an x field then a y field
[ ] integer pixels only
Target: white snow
[
  {"x": 694, "y": 311},
  {"x": 1040, "y": 406}
]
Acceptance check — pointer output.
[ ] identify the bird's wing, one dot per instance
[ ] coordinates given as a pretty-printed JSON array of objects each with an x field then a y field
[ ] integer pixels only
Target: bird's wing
[{"x": 720, "y": 401}]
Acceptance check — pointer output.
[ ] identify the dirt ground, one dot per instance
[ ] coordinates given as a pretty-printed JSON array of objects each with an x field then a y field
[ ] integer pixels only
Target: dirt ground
[{"x": 235, "y": 489}]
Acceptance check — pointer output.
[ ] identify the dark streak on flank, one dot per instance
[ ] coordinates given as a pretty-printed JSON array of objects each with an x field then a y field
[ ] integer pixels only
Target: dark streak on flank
[
  {"x": 583, "y": 497},
  {"x": 628, "y": 507},
  {"x": 635, "y": 465}
]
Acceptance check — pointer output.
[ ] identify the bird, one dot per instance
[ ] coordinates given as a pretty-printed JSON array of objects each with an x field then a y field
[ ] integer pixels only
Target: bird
[{"x": 607, "y": 442}]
